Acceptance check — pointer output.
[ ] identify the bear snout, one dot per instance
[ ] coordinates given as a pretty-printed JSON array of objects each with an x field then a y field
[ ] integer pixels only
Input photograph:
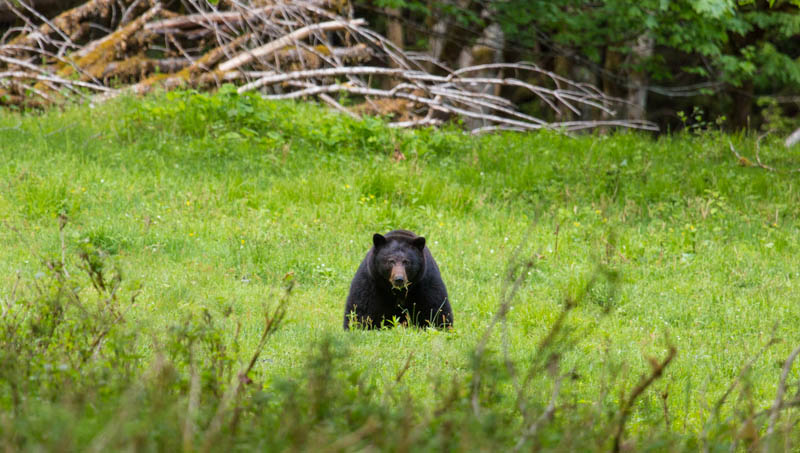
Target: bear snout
[{"x": 398, "y": 277}]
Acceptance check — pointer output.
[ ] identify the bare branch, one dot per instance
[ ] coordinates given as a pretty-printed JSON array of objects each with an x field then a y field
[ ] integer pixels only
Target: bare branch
[
  {"x": 54, "y": 79},
  {"x": 264, "y": 51},
  {"x": 776, "y": 407},
  {"x": 644, "y": 383}
]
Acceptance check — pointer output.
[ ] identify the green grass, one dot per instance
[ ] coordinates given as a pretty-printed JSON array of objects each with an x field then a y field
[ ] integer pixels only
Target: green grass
[{"x": 209, "y": 202}]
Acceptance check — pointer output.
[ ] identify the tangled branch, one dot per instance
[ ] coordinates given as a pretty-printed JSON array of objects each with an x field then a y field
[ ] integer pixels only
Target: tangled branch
[{"x": 283, "y": 50}]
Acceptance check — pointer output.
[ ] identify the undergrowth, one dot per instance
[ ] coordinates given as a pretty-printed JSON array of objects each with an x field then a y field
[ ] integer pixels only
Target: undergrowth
[{"x": 71, "y": 382}]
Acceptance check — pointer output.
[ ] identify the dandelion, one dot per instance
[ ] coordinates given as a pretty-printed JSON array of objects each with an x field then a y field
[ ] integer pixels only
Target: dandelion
[
  {"x": 441, "y": 224},
  {"x": 188, "y": 202},
  {"x": 577, "y": 224},
  {"x": 191, "y": 234},
  {"x": 242, "y": 241},
  {"x": 597, "y": 212},
  {"x": 347, "y": 186}
]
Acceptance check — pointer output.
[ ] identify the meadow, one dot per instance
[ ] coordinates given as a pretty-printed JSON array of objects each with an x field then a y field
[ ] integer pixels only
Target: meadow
[{"x": 610, "y": 251}]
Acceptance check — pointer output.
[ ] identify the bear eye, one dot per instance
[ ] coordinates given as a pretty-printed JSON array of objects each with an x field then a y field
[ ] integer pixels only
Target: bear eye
[
  {"x": 391, "y": 262},
  {"x": 405, "y": 262}
]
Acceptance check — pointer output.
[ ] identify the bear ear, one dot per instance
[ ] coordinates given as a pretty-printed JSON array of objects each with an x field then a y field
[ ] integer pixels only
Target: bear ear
[
  {"x": 418, "y": 242},
  {"x": 378, "y": 240}
]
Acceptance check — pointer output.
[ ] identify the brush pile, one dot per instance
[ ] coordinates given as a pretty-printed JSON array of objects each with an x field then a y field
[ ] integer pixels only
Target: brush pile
[{"x": 284, "y": 50}]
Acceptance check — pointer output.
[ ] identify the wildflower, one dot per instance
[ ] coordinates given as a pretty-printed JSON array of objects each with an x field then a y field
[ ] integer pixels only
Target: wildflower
[{"x": 577, "y": 224}]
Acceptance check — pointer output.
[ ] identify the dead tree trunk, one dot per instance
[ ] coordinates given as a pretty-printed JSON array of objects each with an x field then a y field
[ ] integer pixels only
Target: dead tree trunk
[
  {"x": 562, "y": 66},
  {"x": 487, "y": 50},
  {"x": 612, "y": 64},
  {"x": 637, "y": 77},
  {"x": 742, "y": 104},
  {"x": 395, "y": 34}
]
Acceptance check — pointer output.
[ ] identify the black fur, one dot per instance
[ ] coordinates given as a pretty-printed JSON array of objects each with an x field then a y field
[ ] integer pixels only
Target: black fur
[{"x": 373, "y": 300}]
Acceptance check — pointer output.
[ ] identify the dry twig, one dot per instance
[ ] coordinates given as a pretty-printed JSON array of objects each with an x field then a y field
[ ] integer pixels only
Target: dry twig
[
  {"x": 644, "y": 383},
  {"x": 776, "y": 407}
]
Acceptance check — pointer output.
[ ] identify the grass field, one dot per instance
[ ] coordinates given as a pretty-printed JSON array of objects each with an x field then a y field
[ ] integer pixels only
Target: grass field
[{"x": 211, "y": 204}]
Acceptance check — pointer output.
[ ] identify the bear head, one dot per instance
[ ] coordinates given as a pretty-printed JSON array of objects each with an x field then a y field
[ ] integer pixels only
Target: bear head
[{"x": 398, "y": 260}]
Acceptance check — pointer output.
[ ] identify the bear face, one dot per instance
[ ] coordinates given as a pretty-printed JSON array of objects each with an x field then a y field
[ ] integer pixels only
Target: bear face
[{"x": 398, "y": 261}]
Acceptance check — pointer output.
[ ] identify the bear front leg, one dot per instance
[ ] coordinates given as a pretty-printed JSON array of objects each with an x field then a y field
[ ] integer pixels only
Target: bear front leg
[
  {"x": 434, "y": 309},
  {"x": 360, "y": 305}
]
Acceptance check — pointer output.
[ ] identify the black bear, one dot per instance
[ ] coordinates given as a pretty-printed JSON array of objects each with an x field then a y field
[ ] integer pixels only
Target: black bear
[{"x": 398, "y": 281}]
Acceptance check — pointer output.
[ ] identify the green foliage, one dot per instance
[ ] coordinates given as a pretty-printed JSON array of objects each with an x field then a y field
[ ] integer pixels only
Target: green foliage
[
  {"x": 720, "y": 46},
  {"x": 622, "y": 246},
  {"x": 61, "y": 335},
  {"x": 708, "y": 28}
]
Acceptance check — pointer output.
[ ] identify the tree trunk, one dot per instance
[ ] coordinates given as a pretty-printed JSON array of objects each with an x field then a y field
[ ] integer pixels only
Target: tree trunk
[
  {"x": 488, "y": 49},
  {"x": 394, "y": 27},
  {"x": 563, "y": 66},
  {"x": 742, "y": 105},
  {"x": 394, "y": 31},
  {"x": 437, "y": 42},
  {"x": 638, "y": 82},
  {"x": 612, "y": 64}
]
